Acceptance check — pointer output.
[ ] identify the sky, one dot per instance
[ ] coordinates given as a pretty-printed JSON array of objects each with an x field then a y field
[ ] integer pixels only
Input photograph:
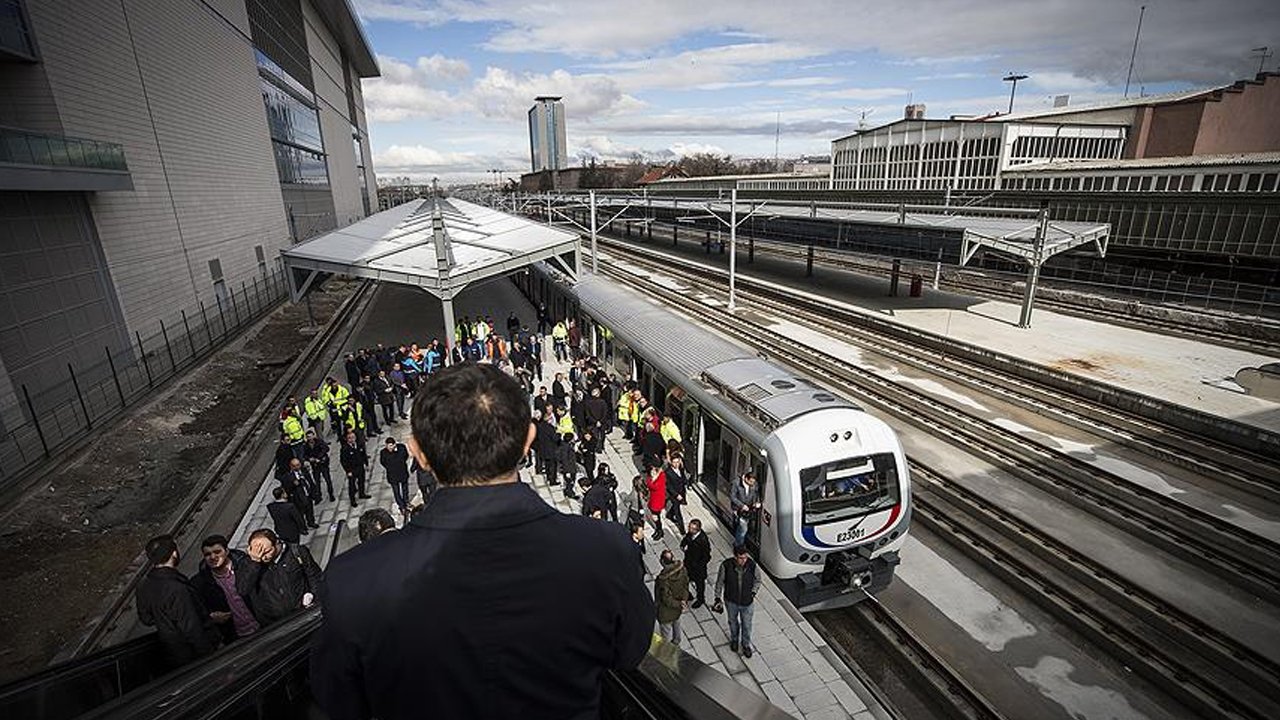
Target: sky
[{"x": 666, "y": 78}]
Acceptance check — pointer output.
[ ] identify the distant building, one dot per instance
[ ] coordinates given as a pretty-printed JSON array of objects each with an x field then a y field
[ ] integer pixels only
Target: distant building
[
  {"x": 1235, "y": 118},
  {"x": 547, "y": 146},
  {"x": 960, "y": 154},
  {"x": 576, "y": 178},
  {"x": 662, "y": 172},
  {"x": 154, "y": 162}
]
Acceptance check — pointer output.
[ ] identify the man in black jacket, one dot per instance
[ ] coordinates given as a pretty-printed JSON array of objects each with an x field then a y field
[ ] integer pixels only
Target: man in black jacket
[
  {"x": 738, "y": 581},
  {"x": 297, "y": 482},
  {"x": 354, "y": 460},
  {"x": 282, "y": 579},
  {"x": 545, "y": 444},
  {"x": 286, "y": 517},
  {"x": 394, "y": 458},
  {"x": 216, "y": 581},
  {"x": 170, "y": 603},
  {"x": 459, "y": 614},
  {"x": 317, "y": 453},
  {"x": 697, "y": 555},
  {"x": 386, "y": 393}
]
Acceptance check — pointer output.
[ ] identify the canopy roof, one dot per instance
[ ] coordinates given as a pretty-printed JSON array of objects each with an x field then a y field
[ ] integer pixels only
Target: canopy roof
[{"x": 438, "y": 245}]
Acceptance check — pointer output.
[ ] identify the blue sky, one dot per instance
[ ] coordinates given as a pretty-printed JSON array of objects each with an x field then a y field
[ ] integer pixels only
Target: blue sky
[{"x": 664, "y": 78}]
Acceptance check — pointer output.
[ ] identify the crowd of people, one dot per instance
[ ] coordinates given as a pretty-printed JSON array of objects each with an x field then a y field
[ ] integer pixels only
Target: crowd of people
[{"x": 455, "y": 425}]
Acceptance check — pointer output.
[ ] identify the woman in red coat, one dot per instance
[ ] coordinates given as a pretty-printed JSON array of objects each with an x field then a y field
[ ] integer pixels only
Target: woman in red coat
[{"x": 656, "y": 484}]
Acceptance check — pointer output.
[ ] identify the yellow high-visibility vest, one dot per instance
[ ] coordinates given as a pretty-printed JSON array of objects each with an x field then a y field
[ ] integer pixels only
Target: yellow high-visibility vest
[
  {"x": 669, "y": 431},
  {"x": 292, "y": 428},
  {"x": 565, "y": 425},
  {"x": 314, "y": 407}
]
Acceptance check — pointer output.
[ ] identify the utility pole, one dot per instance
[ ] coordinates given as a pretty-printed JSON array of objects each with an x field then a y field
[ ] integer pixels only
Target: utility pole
[
  {"x": 1134, "y": 55},
  {"x": 1264, "y": 53},
  {"x": 1013, "y": 78}
]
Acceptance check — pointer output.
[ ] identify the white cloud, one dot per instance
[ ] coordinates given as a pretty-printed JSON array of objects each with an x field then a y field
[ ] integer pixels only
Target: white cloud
[
  {"x": 1090, "y": 38},
  {"x": 705, "y": 68},
  {"x": 414, "y": 90},
  {"x": 506, "y": 94},
  {"x": 873, "y": 93}
]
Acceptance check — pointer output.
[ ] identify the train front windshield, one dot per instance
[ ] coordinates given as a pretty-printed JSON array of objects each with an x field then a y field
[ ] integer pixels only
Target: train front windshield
[{"x": 849, "y": 488}]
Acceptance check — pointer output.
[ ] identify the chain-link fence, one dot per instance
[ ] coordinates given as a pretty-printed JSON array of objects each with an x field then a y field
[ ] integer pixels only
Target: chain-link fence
[{"x": 97, "y": 386}]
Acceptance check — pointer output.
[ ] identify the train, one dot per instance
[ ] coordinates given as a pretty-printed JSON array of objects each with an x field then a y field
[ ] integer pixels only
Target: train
[{"x": 834, "y": 482}]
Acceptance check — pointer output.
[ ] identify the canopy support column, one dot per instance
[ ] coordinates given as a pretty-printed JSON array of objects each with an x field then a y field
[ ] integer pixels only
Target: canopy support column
[
  {"x": 733, "y": 248},
  {"x": 1033, "y": 272},
  {"x": 446, "y": 306},
  {"x": 595, "y": 256}
]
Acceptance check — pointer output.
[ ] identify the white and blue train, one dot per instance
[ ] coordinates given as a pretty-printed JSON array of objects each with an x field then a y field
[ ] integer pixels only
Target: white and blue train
[{"x": 835, "y": 486}]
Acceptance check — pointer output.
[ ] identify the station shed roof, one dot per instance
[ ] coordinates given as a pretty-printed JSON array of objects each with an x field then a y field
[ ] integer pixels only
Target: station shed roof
[
  {"x": 438, "y": 245},
  {"x": 1030, "y": 237}
]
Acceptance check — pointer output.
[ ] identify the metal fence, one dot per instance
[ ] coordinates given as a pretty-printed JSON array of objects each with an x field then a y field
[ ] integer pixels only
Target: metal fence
[{"x": 91, "y": 392}]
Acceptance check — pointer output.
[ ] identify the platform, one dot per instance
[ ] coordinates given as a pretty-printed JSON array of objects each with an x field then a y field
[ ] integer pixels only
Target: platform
[
  {"x": 1173, "y": 369},
  {"x": 793, "y": 667}
]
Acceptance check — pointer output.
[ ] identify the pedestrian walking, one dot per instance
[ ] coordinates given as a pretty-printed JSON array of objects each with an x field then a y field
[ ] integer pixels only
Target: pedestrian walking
[
  {"x": 656, "y": 487},
  {"x": 737, "y": 582},
  {"x": 677, "y": 486},
  {"x": 301, "y": 491},
  {"x": 287, "y": 519},
  {"x": 354, "y": 461},
  {"x": 697, "y": 555},
  {"x": 394, "y": 458},
  {"x": 671, "y": 596},
  {"x": 318, "y": 461}
]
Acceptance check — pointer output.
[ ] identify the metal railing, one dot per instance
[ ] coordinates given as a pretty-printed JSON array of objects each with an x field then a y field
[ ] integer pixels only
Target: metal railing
[
  {"x": 22, "y": 147},
  {"x": 91, "y": 392}
]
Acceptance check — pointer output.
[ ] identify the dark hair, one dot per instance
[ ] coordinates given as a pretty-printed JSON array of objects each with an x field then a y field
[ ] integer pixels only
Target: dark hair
[
  {"x": 375, "y": 522},
  {"x": 215, "y": 539},
  {"x": 278, "y": 492},
  {"x": 160, "y": 548},
  {"x": 471, "y": 422},
  {"x": 739, "y": 549},
  {"x": 267, "y": 533}
]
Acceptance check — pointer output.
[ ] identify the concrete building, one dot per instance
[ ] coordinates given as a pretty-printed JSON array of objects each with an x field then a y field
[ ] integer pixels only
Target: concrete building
[
  {"x": 1224, "y": 120},
  {"x": 960, "y": 154},
  {"x": 547, "y": 147},
  {"x": 157, "y": 153}
]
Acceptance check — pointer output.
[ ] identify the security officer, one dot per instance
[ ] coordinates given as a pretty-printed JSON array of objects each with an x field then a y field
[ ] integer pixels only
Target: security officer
[
  {"x": 353, "y": 421},
  {"x": 315, "y": 409},
  {"x": 336, "y": 396},
  {"x": 294, "y": 433}
]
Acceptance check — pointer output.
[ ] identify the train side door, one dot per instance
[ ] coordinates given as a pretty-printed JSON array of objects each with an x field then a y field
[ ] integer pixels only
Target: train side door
[
  {"x": 728, "y": 470},
  {"x": 749, "y": 459}
]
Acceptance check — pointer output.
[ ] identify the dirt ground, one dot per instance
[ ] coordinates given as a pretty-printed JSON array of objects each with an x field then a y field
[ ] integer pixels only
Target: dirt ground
[{"x": 67, "y": 543}]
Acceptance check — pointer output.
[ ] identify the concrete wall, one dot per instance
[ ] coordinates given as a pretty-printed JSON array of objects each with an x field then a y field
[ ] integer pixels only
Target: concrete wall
[
  {"x": 1246, "y": 121},
  {"x": 1173, "y": 130},
  {"x": 177, "y": 86},
  {"x": 335, "y": 120}
]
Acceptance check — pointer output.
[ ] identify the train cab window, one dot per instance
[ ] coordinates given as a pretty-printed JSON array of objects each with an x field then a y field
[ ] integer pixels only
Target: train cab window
[
  {"x": 622, "y": 361},
  {"x": 849, "y": 488}
]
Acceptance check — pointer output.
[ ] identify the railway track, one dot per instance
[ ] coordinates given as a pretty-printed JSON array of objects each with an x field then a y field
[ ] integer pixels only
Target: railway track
[
  {"x": 957, "y": 282},
  {"x": 1203, "y": 667},
  {"x": 210, "y": 495},
  {"x": 1235, "y": 554}
]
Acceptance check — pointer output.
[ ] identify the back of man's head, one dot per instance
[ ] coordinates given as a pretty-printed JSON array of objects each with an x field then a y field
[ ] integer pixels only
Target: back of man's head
[
  {"x": 472, "y": 424},
  {"x": 160, "y": 548},
  {"x": 375, "y": 522}
]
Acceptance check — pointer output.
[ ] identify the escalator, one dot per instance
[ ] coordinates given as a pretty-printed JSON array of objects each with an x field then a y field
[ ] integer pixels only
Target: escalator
[{"x": 266, "y": 677}]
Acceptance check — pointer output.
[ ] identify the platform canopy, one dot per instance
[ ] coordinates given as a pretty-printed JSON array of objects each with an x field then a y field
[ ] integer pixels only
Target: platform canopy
[
  {"x": 1024, "y": 234},
  {"x": 437, "y": 244}
]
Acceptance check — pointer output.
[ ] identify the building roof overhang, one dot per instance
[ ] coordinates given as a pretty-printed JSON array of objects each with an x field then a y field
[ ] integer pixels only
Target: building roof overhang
[{"x": 345, "y": 25}]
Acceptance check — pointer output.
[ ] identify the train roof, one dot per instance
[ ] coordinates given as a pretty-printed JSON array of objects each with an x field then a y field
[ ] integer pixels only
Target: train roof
[{"x": 770, "y": 394}]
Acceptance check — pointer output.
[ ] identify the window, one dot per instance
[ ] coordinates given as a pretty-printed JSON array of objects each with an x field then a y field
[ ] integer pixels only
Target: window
[
  {"x": 1220, "y": 182},
  {"x": 1162, "y": 183},
  {"x": 1269, "y": 182},
  {"x": 1254, "y": 180},
  {"x": 15, "y": 33},
  {"x": 262, "y": 260},
  {"x": 1233, "y": 182},
  {"x": 849, "y": 488},
  {"x": 1145, "y": 183},
  {"x": 219, "y": 284}
]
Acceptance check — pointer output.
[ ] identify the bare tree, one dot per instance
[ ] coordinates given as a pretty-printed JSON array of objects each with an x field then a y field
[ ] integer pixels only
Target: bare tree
[{"x": 704, "y": 164}]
